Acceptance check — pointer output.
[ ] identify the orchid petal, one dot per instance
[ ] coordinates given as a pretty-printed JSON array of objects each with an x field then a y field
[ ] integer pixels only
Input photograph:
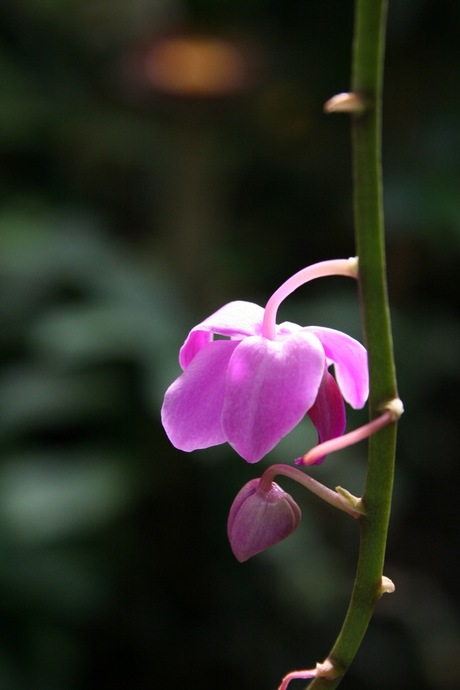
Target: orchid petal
[
  {"x": 270, "y": 386},
  {"x": 287, "y": 327},
  {"x": 192, "y": 407},
  {"x": 350, "y": 363},
  {"x": 235, "y": 319},
  {"x": 328, "y": 411}
]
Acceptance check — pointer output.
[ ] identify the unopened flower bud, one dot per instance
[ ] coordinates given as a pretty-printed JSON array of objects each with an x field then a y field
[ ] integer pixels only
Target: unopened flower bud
[{"x": 260, "y": 518}]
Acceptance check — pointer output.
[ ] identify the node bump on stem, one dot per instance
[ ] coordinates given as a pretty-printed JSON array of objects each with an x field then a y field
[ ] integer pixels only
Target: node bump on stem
[
  {"x": 346, "y": 103},
  {"x": 387, "y": 586}
]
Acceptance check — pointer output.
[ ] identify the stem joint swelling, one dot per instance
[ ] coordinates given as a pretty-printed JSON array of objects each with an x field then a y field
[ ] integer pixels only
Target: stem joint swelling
[
  {"x": 327, "y": 670},
  {"x": 352, "y": 103}
]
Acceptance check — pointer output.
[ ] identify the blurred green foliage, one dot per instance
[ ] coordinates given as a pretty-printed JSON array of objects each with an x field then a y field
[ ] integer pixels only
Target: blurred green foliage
[{"x": 126, "y": 215}]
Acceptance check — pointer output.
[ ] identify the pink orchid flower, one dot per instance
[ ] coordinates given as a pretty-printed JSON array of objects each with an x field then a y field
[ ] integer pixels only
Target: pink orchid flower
[{"x": 254, "y": 385}]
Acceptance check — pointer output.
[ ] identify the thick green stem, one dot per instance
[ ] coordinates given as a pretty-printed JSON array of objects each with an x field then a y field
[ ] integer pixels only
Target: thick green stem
[{"x": 367, "y": 75}]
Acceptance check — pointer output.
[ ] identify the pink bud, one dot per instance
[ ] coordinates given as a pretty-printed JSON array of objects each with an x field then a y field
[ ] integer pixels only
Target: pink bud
[{"x": 259, "y": 519}]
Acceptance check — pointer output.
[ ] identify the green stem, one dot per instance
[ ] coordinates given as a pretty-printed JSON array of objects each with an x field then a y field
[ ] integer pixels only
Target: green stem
[{"x": 367, "y": 77}]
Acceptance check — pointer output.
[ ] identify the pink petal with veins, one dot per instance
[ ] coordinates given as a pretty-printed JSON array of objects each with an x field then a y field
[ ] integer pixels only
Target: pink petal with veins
[
  {"x": 192, "y": 407},
  {"x": 350, "y": 363},
  {"x": 270, "y": 386},
  {"x": 234, "y": 320}
]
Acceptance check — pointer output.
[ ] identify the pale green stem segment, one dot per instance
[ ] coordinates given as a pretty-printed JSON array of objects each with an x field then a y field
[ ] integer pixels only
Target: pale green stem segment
[
  {"x": 367, "y": 76},
  {"x": 334, "y": 267}
]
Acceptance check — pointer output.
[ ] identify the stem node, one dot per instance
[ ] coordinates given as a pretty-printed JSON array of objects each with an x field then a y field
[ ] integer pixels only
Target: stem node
[
  {"x": 351, "y": 103},
  {"x": 351, "y": 501},
  {"x": 387, "y": 586}
]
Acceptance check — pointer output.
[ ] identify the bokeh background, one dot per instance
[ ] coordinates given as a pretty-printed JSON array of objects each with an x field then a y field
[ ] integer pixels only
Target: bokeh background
[{"x": 157, "y": 159}]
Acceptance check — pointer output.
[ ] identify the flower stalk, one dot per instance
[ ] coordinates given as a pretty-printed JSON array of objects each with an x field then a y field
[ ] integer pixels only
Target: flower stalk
[
  {"x": 392, "y": 413},
  {"x": 333, "y": 267},
  {"x": 334, "y": 498},
  {"x": 367, "y": 78}
]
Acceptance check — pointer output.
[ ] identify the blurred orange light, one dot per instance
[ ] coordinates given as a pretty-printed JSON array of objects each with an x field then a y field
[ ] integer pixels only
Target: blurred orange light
[{"x": 196, "y": 66}]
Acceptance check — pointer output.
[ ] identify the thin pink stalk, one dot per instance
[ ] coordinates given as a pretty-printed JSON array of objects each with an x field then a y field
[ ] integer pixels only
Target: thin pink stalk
[
  {"x": 339, "y": 267},
  {"x": 297, "y": 675},
  {"x": 346, "y": 440},
  {"x": 328, "y": 495},
  {"x": 324, "y": 670}
]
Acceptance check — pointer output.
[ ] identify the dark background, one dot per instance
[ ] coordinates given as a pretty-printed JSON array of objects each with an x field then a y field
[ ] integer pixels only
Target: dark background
[{"x": 128, "y": 214}]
